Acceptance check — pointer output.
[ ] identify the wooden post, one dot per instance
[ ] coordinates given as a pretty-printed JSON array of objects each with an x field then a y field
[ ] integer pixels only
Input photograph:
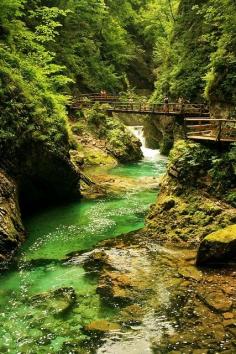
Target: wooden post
[
  {"x": 185, "y": 130},
  {"x": 219, "y": 131}
]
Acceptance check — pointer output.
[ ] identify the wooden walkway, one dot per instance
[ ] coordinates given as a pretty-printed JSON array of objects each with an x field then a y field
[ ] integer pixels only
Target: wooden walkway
[
  {"x": 203, "y": 129},
  {"x": 115, "y": 104},
  {"x": 196, "y": 117}
]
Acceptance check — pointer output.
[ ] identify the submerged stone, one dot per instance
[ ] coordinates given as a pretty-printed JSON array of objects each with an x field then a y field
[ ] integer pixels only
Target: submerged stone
[
  {"x": 132, "y": 315},
  {"x": 57, "y": 302},
  {"x": 102, "y": 326},
  {"x": 218, "y": 247},
  {"x": 115, "y": 287}
]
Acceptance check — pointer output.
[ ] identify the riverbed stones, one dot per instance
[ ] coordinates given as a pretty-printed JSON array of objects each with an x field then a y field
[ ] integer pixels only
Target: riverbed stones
[
  {"x": 115, "y": 287},
  {"x": 122, "y": 272},
  {"x": 96, "y": 260},
  {"x": 218, "y": 247},
  {"x": 228, "y": 315}
]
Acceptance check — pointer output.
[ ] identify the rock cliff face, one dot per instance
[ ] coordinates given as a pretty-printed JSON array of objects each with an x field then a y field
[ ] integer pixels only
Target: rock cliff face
[
  {"x": 45, "y": 177},
  {"x": 162, "y": 131},
  {"x": 32, "y": 178},
  {"x": 11, "y": 228}
]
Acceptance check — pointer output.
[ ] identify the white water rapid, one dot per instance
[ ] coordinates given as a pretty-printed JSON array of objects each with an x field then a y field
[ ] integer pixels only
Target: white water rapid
[{"x": 149, "y": 154}]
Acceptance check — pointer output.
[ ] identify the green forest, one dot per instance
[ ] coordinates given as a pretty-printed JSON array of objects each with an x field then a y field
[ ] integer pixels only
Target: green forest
[
  {"x": 117, "y": 176},
  {"x": 53, "y": 50}
]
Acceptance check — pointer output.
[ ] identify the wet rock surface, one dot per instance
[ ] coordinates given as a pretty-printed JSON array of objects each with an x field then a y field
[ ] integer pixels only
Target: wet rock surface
[
  {"x": 11, "y": 228},
  {"x": 185, "y": 216},
  {"x": 123, "y": 273},
  {"x": 107, "y": 185}
]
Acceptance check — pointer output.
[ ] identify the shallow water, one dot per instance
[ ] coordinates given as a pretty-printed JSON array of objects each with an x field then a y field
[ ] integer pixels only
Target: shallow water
[{"x": 52, "y": 235}]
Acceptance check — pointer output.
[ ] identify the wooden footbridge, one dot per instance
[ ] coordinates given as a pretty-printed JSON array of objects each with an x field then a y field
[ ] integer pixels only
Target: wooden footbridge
[
  {"x": 195, "y": 117},
  {"x": 118, "y": 105}
]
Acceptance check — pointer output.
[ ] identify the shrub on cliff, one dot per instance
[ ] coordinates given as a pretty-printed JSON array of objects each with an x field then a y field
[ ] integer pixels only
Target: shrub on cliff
[
  {"x": 223, "y": 174},
  {"x": 190, "y": 160},
  {"x": 120, "y": 142},
  {"x": 195, "y": 164}
]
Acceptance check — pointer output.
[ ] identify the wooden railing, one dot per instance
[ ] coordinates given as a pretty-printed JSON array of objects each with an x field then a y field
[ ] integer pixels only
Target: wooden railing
[
  {"x": 97, "y": 97},
  {"x": 143, "y": 107},
  {"x": 210, "y": 129}
]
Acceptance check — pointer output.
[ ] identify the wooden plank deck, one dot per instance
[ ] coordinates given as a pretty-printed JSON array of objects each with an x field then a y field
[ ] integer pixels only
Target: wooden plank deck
[{"x": 218, "y": 130}]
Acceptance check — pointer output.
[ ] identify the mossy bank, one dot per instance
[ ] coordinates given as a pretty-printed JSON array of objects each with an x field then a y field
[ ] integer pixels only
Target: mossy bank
[{"x": 197, "y": 195}]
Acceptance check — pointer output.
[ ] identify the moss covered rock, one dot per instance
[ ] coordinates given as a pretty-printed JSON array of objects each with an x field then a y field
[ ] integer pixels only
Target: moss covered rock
[{"x": 218, "y": 247}]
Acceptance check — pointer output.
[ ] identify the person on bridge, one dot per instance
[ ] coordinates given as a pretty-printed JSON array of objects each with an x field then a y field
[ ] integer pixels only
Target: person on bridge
[
  {"x": 103, "y": 94},
  {"x": 181, "y": 104},
  {"x": 131, "y": 104},
  {"x": 166, "y": 104}
]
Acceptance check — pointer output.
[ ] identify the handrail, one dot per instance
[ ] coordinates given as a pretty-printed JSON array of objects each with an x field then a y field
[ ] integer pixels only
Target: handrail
[
  {"x": 118, "y": 104},
  {"x": 211, "y": 119}
]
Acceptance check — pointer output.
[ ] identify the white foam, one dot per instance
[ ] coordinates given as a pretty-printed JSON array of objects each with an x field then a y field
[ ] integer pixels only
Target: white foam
[{"x": 149, "y": 154}]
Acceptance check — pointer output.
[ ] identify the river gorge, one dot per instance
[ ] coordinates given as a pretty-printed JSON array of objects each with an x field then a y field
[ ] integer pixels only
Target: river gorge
[
  {"x": 39, "y": 269},
  {"x": 94, "y": 275}
]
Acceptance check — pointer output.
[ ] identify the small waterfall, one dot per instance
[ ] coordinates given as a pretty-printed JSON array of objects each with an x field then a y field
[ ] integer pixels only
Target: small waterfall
[{"x": 149, "y": 154}]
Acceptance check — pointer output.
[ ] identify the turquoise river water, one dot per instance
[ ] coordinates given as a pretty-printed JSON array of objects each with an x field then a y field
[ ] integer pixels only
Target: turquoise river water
[{"x": 30, "y": 327}]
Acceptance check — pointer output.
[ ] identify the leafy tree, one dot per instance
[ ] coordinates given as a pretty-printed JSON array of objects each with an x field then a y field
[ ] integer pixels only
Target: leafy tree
[
  {"x": 32, "y": 110},
  {"x": 197, "y": 57}
]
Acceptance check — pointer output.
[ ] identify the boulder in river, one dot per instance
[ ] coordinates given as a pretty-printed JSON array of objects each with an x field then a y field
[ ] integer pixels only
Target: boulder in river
[{"x": 218, "y": 247}]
